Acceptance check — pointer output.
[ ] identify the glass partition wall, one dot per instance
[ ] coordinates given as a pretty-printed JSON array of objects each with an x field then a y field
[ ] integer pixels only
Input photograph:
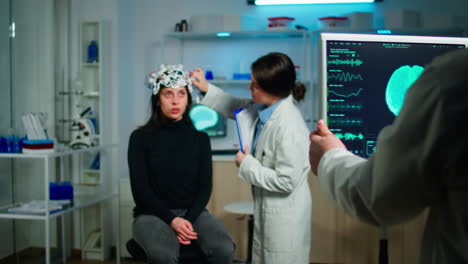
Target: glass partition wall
[
  {"x": 6, "y": 168},
  {"x": 27, "y": 84}
]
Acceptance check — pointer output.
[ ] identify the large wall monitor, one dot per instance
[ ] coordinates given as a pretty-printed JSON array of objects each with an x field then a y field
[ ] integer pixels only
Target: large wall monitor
[{"x": 364, "y": 79}]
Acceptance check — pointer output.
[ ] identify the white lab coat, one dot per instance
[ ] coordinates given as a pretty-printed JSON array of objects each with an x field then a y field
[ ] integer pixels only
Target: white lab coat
[
  {"x": 420, "y": 161},
  {"x": 278, "y": 170}
]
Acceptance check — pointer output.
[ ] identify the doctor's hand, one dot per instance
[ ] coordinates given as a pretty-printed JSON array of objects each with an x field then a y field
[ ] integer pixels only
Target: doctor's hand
[
  {"x": 184, "y": 230},
  {"x": 321, "y": 141},
  {"x": 199, "y": 79},
  {"x": 241, "y": 155}
]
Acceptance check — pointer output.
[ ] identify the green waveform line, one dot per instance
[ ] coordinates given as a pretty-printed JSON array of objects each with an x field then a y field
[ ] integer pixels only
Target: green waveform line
[
  {"x": 345, "y": 122},
  {"x": 345, "y": 107},
  {"x": 349, "y": 95},
  {"x": 351, "y": 62},
  {"x": 345, "y": 77},
  {"x": 349, "y": 136}
]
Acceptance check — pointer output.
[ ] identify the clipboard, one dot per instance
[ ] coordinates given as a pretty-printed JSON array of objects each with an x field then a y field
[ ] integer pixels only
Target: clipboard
[{"x": 245, "y": 119}]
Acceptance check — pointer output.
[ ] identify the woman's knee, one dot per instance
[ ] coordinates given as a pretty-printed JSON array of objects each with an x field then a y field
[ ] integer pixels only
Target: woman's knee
[
  {"x": 224, "y": 249},
  {"x": 156, "y": 256}
]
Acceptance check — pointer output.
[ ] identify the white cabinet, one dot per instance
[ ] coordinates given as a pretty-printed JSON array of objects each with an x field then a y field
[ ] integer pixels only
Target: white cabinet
[
  {"x": 90, "y": 45},
  {"x": 84, "y": 198},
  {"x": 95, "y": 220}
]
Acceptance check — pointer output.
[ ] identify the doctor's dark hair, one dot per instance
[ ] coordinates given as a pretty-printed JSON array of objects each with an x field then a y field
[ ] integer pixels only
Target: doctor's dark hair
[
  {"x": 275, "y": 74},
  {"x": 158, "y": 119}
]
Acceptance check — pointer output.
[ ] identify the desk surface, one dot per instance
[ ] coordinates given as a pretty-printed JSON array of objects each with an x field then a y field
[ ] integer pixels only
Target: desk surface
[{"x": 245, "y": 207}]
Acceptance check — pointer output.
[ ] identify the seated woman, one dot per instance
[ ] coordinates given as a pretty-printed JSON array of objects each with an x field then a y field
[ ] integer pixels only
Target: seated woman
[{"x": 171, "y": 177}]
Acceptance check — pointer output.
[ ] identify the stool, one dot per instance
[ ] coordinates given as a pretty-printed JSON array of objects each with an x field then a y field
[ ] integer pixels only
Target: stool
[
  {"x": 245, "y": 208},
  {"x": 189, "y": 254}
]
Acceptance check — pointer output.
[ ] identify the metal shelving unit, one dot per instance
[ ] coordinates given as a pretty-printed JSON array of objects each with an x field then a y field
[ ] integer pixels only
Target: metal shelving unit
[{"x": 79, "y": 202}]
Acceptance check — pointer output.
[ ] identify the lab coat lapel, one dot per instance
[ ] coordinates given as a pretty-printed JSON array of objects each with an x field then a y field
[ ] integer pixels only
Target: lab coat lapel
[{"x": 263, "y": 137}]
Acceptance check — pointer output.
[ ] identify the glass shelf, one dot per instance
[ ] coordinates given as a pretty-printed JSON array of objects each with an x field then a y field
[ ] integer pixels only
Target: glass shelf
[
  {"x": 239, "y": 82},
  {"x": 91, "y": 94},
  {"x": 230, "y": 82},
  {"x": 92, "y": 64},
  {"x": 396, "y": 31},
  {"x": 239, "y": 34},
  {"x": 79, "y": 202},
  {"x": 54, "y": 154}
]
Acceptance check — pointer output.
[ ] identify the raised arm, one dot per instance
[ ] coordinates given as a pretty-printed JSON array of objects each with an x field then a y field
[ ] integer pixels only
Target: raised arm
[{"x": 215, "y": 97}]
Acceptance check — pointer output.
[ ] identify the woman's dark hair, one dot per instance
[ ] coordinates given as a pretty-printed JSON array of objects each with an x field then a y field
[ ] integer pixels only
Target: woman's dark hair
[
  {"x": 275, "y": 74},
  {"x": 158, "y": 119}
]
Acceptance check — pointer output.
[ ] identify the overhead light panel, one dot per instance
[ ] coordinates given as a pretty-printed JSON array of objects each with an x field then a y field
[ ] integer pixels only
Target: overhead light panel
[{"x": 304, "y": 2}]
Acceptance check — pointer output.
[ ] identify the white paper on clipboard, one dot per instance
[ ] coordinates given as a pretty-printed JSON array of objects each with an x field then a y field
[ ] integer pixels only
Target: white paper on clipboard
[{"x": 245, "y": 119}]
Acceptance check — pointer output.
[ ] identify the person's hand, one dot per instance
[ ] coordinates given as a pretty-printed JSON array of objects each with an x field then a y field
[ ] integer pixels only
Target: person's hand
[
  {"x": 241, "y": 155},
  {"x": 199, "y": 79},
  {"x": 184, "y": 230},
  {"x": 321, "y": 140},
  {"x": 182, "y": 241}
]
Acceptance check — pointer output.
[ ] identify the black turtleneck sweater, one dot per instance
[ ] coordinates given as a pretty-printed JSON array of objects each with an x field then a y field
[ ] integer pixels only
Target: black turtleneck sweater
[{"x": 170, "y": 168}]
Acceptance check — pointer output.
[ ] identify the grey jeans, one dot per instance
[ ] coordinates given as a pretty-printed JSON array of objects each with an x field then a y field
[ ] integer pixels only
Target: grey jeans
[{"x": 159, "y": 240}]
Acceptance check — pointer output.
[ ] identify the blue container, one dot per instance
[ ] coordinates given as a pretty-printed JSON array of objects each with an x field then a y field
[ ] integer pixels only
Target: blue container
[
  {"x": 3, "y": 145},
  {"x": 241, "y": 76},
  {"x": 62, "y": 191},
  {"x": 13, "y": 144},
  {"x": 93, "y": 52},
  {"x": 209, "y": 75}
]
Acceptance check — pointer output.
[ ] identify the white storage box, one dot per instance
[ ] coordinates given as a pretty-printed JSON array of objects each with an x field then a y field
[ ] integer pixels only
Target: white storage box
[
  {"x": 402, "y": 18},
  {"x": 333, "y": 22},
  {"x": 214, "y": 23},
  {"x": 437, "y": 21},
  {"x": 238, "y": 22},
  {"x": 205, "y": 23},
  {"x": 361, "y": 20}
]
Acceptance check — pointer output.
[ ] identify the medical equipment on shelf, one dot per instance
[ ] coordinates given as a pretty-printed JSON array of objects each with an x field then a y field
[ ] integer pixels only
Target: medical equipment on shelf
[
  {"x": 36, "y": 140},
  {"x": 83, "y": 132},
  {"x": 34, "y": 125}
]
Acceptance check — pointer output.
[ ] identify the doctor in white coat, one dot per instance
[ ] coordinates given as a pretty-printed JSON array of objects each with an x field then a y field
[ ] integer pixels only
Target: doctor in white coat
[{"x": 278, "y": 165}]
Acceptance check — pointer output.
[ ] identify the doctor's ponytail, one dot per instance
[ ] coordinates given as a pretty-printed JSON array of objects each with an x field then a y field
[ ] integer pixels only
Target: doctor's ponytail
[
  {"x": 275, "y": 74},
  {"x": 298, "y": 91}
]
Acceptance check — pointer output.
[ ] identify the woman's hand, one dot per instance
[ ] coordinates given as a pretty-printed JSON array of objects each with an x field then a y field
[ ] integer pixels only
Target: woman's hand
[
  {"x": 199, "y": 81},
  {"x": 184, "y": 230},
  {"x": 183, "y": 241},
  {"x": 241, "y": 155}
]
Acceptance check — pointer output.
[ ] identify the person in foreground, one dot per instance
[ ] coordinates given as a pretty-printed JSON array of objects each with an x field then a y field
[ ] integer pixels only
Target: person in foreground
[
  {"x": 278, "y": 167},
  {"x": 171, "y": 177},
  {"x": 420, "y": 162}
]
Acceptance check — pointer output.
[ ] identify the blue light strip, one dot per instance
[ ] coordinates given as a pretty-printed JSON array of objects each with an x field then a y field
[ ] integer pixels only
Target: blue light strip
[
  {"x": 223, "y": 34},
  {"x": 384, "y": 31},
  {"x": 301, "y": 2}
]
